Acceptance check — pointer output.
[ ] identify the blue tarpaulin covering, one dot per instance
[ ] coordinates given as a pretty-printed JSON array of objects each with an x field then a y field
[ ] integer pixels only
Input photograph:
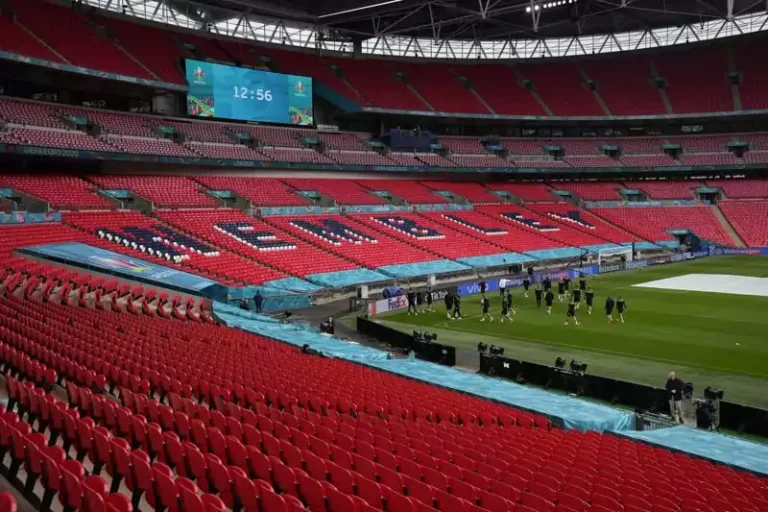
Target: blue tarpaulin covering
[
  {"x": 708, "y": 445},
  {"x": 564, "y": 411},
  {"x": 555, "y": 254},
  {"x": 100, "y": 260},
  {"x": 495, "y": 260},
  {"x": 292, "y": 284},
  {"x": 596, "y": 248},
  {"x": 275, "y": 299},
  {"x": 346, "y": 278},
  {"x": 423, "y": 268},
  {"x": 643, "y": 246}
]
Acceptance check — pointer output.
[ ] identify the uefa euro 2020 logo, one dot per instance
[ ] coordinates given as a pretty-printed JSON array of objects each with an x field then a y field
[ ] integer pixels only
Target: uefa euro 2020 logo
[
  {"x": 199, "y": 75},
  {"x": 300, "y": 88}
]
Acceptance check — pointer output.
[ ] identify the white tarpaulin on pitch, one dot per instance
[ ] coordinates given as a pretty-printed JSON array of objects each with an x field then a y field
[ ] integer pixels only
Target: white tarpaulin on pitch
[{"x": 713, "y": 283}]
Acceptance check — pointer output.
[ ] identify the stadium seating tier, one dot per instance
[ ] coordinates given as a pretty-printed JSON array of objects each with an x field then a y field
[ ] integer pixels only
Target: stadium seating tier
[
  {"x": 292, "y": 428},
  {"x": 630, "y": 92},
  {"x": 592, "y": 191},
  {"x": 65, "y": 192},
  {"x": 261, "y": 191},
  {"x": 754, "y": 75},
  {"x": 256, "y": 240},
  {"x": 144, "y": 146},
  {"x": 303, "y": 64},
  {"x": 552, "y": 79},
  {"x": 17, "y": 40},
  {"x": 345, "y": 237},
  {"x": 30, "y": 113},
  {"x": 425, "y": 232},
  {"x": 441, "y": 88},
  {"x": 65, "y": 29},
  {"x": 341, "y": 191},
  {"x": 749, "y": 219},
  {"x": 472, "y": 192},
  {"x": 526, "y": 191},
  {"x": 500, "y": 88},
  {"x": 411, "y": 191},
  {"x": 163, "y": 191},
  {"x": 741, "y": 189},
  {"x": 374, "y": 79},
  {"x": 666, "y": 189},
  {"x": 154, "y": 48},
  {"x": 652, "y": 223},
  {"x": 172, "y": 247},
  {"x": 541, "y": 225},
  {"x": 486, "y": 224},
  {"x": 696, "y": 80},
  {"x": 583, "y": 221}
]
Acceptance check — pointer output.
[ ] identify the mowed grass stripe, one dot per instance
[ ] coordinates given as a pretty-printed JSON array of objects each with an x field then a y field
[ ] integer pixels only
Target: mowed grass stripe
[{"x": 691, "y": 328}]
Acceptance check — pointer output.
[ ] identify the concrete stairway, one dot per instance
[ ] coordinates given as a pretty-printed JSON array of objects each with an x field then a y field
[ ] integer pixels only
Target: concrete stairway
[{"x": 728, "y": 226}]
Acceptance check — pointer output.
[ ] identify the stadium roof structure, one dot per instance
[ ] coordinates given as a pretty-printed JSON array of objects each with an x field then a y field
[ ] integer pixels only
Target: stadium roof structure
[{"x": 461, "y": 29}]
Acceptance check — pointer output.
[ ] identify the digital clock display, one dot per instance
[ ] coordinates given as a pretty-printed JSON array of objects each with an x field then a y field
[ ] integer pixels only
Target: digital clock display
[
  {"x": 231, "y": 92},
  {"x": 243, "y": 93}
]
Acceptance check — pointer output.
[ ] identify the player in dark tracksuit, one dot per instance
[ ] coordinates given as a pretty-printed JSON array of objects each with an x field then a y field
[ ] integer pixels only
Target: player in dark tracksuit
[
  {"x": 486, "y": 303},
  {"x": 539, "y": 292},
  {"x": 428, "y": 296},
  {"x": 560, "y": 290},
  {"x": 590, "y": 295},
  {"x": 571, "y": 314},
  {"x": 419, "y": 302},
  {"x": 457, "y": 306},
  {"x": 505, "y": 306},
  {"x": 567, "y": 283},
  {"x": 547, "y": 283},
  {"x": 577, "y": 297},
  {"x": 411, "y": 298},
  {"x": 448, "y": 304},
  {"x": 526, "y": 285},
  {"x": 609, "y": 304},
  {"x": 582, "y": 282},
  {"x": 621, "y": 306},
  {"x": 549, "y": 297},
  {"x": 509, "y": 302}
]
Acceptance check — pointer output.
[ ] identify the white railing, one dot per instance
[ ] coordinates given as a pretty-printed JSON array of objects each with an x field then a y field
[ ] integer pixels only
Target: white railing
[{"x": 296, "y": 35}]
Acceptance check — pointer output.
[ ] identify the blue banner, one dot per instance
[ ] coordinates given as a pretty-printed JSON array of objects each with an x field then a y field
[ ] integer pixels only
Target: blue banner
[
  {"x": 604, "y": 269},
  {"x": 375, "y": 208},
  {"x": 29, "y": 218},
  {"x": 492, "y": 285},
  {"x": 738, "y": 251},
  {"x": 636, "y": 264},
  {"x": 298, "y": 210},
  {"x": 589, "y": 270},
  {"x": 442, "y": 207},
  {"x": 640, "y": 204},
  {"x": 100, "y": 260}
]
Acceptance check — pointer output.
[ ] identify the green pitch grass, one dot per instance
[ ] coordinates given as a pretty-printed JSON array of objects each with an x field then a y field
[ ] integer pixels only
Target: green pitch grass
[{"x": 709, "y": 338}]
